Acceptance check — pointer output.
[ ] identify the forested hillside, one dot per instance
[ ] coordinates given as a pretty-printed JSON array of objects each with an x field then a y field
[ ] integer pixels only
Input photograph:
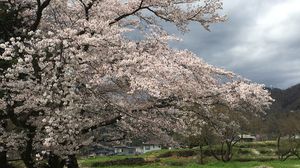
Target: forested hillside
[{"x": 286, "y": 100}]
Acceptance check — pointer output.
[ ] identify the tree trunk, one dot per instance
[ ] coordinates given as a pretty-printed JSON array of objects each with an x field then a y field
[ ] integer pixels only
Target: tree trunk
[
  {"x": 223, "y": 153},
  {"x": 3, "y": 160},
  {"x": 27, "y": 159},
  {"x": 201, "y": 154},
  {"x": 72, "y": 162},
  {"x": 229, "y": 151},
  {"x": 26, "y": 155},
  {"x": 55, "y": 161},
  {"x": 278, "y": 147},
  {"x": 215, "y": 155},
  {"x": 227, "y": 154}
]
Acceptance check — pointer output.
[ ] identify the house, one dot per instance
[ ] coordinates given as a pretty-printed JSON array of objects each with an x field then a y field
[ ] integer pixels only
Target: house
[
  {"x": 125, "y": 150},
  {"x": 150, "y": 146},
  {"x": 140, "y": 149},
  {"x": 247, "y": 138}
]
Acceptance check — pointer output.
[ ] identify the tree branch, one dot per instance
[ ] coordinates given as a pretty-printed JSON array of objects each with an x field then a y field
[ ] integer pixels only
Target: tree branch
[
  {"x": 128, "y": 14},
  {"x": 87, "y": 7},
  {"x": 39, "y": 13},
  {"x": 114, "y": 139},
  {"x": 102, "y": 124}
]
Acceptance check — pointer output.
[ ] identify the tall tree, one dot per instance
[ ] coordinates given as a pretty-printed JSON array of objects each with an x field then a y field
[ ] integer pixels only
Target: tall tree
[{"x": 74, "y": 71}]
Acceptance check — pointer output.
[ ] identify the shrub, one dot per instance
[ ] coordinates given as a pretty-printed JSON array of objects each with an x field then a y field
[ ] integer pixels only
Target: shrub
[
  {"x": 126, "y": 162},
  {"x": 244, "y": 151},
  {"x": 186, "y": 153},
  {"x": 166, "y": 154},
  {"x": 176, "y": 163}
]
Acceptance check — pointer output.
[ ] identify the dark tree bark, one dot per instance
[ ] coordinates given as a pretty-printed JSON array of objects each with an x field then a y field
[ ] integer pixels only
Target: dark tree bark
[
  {"x": 26, "y": 155},
  {"x": 55, "y": 161},
  {"x": 201, "y": 154},
  {"x": 39, "y": 13},
  {"x": 3, "y": 160},
  {"x": 227, "y": 154},
  {"x": 278, "y": 146},
  {"x": 72, "y": 162}
]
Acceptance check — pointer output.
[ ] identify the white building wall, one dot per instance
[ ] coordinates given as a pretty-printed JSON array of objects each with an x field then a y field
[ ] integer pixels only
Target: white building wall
[
  {"x": 148, "y": 148},
  {"x": 139, "y": 149}
]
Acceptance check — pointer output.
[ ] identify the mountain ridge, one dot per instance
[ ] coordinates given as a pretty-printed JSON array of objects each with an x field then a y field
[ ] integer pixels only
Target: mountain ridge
[{"x": 287, "y": 100}]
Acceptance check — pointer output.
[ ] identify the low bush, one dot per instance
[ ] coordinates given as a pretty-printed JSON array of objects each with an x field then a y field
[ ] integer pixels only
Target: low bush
[
  {"x": 181, "y": 164},
  {"x": 244, "y": 151},
  {"x": 166, "y": 154},
  {"x": 126, "y": 162},
  {"x": 186, "y": 153}
]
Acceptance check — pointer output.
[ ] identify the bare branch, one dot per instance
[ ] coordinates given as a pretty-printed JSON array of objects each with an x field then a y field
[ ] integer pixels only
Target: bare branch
[
  {"x": 39, "y": 13},
  {"x": 128, "y": 14},
  {"x": 102, "y": 124},
  {"x": 87, "y": 8}
]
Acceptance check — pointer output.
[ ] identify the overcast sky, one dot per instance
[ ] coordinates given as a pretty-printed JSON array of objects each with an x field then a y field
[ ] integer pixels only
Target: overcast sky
[{"x": 260, "y": 41}]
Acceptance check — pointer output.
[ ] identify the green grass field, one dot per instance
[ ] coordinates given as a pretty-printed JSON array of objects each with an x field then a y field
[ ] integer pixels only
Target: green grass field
[
  {"x": 246, "y": 155},
  {"x": 177, "y": 162}
]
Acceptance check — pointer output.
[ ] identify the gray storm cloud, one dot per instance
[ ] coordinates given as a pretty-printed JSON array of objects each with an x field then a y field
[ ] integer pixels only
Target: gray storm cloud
[{"x": 260, "y": 41}]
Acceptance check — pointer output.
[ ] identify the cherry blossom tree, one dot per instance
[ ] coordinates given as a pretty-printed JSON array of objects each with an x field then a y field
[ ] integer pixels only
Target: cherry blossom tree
[{"x": 72, "y": 71}]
